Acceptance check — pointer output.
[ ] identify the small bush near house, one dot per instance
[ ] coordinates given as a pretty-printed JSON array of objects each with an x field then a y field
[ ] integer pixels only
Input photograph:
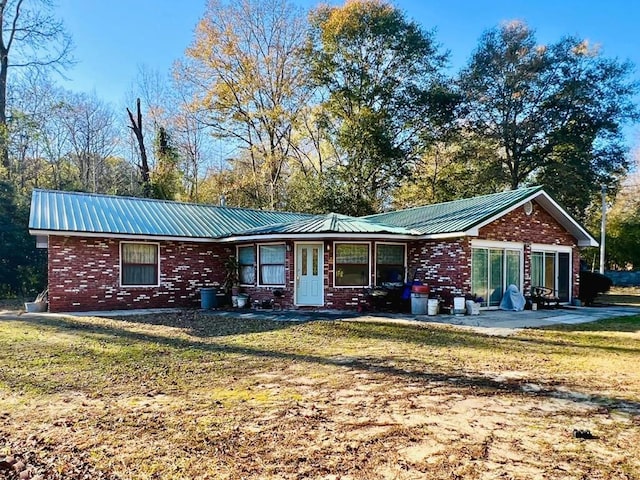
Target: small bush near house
[{"x": 592, "y": 284}]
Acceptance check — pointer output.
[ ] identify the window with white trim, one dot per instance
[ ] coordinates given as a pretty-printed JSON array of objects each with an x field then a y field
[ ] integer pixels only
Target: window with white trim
[
  {"x": 139, "y": 264},
  {"x": 247, "y": 265},
  {"x": 272, "y": 264},
  {"x": 352, "y": 264},
  {"x": 390, "y": 263}
]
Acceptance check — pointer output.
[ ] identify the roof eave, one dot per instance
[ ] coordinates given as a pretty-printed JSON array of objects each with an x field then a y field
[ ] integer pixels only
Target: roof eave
[
  {"x": 316, "y": 236},
  {"x": 115, "y": 235}
]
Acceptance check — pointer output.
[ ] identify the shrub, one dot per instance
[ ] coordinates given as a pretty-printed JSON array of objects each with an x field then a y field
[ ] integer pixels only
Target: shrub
[{"x": 591, "y": 284}]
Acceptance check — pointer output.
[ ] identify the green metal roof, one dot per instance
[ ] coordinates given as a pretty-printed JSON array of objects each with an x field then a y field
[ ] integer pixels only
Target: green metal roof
[
  {"x": 91, "y": 213},
  {"x": 455, "y": 216},
  {"x": 330, "y": 223}
]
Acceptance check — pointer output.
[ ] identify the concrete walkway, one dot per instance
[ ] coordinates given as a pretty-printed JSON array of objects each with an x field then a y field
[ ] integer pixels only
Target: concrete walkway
[{"x": 488, "y": 321}]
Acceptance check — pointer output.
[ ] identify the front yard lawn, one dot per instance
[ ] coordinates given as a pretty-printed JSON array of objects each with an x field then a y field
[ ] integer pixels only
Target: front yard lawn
[{"x": 185, "y": 396}]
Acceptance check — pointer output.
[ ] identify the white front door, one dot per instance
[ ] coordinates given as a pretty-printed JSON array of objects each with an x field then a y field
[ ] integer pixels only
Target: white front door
[{"x": 309, "y": 274}]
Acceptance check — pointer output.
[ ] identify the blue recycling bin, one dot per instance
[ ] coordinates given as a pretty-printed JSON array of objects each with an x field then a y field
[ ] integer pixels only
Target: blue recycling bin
[{"x": 208, "y": 299}]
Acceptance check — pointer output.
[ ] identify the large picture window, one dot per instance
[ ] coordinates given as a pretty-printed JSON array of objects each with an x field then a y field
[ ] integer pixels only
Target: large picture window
[
  {"x": 247, "y": 265},
  {"x": 352, "y": 264},
  {"x": 272, "y": 264},
  {"x": 139, "y": 264},
  {"x": 390, "y": 263}
]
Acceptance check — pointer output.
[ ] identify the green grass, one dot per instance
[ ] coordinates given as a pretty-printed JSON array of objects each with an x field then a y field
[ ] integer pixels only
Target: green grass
[{"x": 195, "y": 396}]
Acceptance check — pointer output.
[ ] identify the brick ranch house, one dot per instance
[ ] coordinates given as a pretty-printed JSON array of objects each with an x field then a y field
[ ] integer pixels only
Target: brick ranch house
[{"x": 109, "y": 253}]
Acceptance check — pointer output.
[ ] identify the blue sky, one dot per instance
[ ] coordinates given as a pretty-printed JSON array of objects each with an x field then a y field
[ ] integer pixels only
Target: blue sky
[{"x": 113, "y": 38}]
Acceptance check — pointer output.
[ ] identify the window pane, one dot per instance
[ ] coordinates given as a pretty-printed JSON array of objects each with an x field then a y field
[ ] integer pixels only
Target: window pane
[
  {"x": 390, "y": 254},
  {"x": 496, "y": 288},
  {"x": 246, "y": 255},
  {"x": 550, "y": 270},
  {"x": 304, "y": 261},
  {"x": 315, "y": 256},
  {"x": 480, "y": 273},
  {"x": 513, "y": 268},
  {"x": 352, "y": 253},
  {"x": 139, "y": 253},
  {"x": 139, "y": 275},
  {"x": 537, "y": 269},
  {"x": 564, "y": 272},
  {"x": 246, "y": 261},
  {"x": 352, "y": 275},
  {"x": 272, "y": 254}
]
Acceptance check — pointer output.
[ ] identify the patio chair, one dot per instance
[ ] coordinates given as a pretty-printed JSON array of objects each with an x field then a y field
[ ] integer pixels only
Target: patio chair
[{"x": 545, "y": 297}]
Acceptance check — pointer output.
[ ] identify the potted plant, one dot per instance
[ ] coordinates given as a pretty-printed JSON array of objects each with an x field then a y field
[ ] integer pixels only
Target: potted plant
[{"x": 231, "y": 283}]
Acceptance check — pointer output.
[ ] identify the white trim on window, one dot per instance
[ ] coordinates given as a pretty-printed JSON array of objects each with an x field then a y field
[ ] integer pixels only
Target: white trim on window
[
  {"x": 475, "y": 243},
  {"x": 368, "y": 285},
  {"x": 543, "y": 247},
  {"x": 157, "y": 244}
]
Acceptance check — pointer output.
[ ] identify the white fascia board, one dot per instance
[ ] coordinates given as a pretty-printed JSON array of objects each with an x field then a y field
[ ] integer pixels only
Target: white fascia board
[
  {"x": 473, "y": 232},
  {"x": 126, "y": 236},
  {"x": 315, "y": 236}
]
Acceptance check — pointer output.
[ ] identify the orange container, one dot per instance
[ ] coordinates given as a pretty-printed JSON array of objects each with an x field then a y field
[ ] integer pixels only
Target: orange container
[{"x": 420, "y": 288}]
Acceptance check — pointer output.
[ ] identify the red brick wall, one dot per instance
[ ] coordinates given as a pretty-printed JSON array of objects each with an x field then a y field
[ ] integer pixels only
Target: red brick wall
[
  {"x": 446, "y": 264},
  {"x": 539, "y": 227},
  {"x": 84, "y": 275}
]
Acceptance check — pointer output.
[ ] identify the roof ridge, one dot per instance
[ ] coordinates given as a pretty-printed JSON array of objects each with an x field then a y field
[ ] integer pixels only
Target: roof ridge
[
  {"x": 159, "y": 200},
  {"x": 532, "y": 188}
]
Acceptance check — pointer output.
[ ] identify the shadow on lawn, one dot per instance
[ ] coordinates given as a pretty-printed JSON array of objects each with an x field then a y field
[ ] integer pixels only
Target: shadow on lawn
[
  {"x": 207, "y": 324},
  {"x": 480, "y": 384},
  {"x": 617, "y": 324},
  {"x": 453, "y": 336}
]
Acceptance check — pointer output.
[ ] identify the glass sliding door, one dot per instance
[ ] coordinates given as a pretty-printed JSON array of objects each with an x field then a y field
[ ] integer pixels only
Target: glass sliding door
[
  {"x": 564, "y": 275},
  {"x": 480, "y": 273},
  {"x": 496, "y": 282},
  {"x": 552, "y": 270},
  {"x": 493, "y": 270},
  {"x": 513, "y": 268}
]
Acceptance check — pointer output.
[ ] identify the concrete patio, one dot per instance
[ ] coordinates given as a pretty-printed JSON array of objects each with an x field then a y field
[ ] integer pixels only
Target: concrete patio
[{"x": 497, "y": 322}]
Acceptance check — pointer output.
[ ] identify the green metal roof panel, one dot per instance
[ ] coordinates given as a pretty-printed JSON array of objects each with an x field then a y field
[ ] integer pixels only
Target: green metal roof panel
[
  {"x": 330, "y": 223},
  {"x": 92, "y": 213},
  {"x": 455, "y": 216}
]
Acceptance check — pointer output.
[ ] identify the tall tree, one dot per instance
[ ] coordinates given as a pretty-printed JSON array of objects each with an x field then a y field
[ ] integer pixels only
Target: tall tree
[
  {"x": 30, "y": 37},
  {"x": 136, "y": 127},
  {"x": 246, "y": 67},
  {"x": 551, "y": 112},
  {"x": 379, "y": 74},
  {"x": 92, "y": 136}
]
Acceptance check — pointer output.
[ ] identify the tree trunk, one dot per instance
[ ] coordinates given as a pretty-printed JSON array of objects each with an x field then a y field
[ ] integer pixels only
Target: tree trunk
[
  {"x": 136, "y": 126},
  {"x": 4, "y": 130}
]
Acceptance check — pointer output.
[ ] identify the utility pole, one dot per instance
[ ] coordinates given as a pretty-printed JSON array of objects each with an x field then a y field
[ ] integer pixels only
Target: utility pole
[{"x": 603, "y": 228}]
